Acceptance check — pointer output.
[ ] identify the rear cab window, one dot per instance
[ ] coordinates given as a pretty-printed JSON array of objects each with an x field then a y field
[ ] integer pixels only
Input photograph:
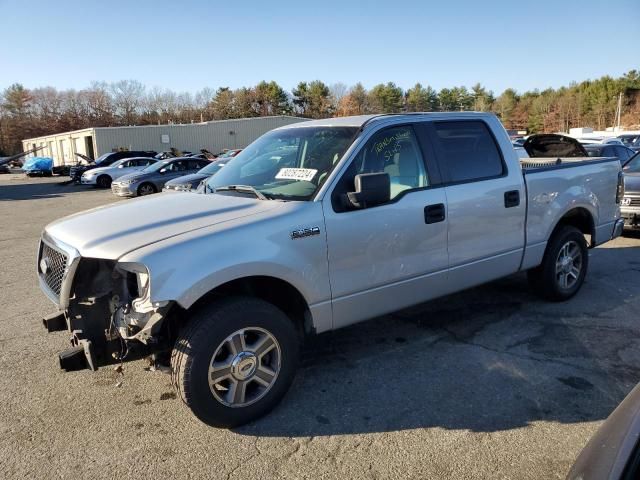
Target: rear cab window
[{"x": 467, "y": 151}]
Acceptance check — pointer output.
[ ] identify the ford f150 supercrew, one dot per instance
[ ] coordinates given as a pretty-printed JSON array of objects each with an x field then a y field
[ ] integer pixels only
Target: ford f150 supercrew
[{"x": 312, "y": 227}]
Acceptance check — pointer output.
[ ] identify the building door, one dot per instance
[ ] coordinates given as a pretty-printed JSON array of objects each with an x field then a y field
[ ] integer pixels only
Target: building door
[{"x": 88, "y": 147}]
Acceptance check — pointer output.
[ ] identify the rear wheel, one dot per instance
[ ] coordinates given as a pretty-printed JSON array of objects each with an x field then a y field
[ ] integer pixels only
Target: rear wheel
[
  {"x": 564, "y": 265},
  {"x": 146, "y": 189},
  {"x": 103, "y": 181},
  {"x": 235, "y": 361}
]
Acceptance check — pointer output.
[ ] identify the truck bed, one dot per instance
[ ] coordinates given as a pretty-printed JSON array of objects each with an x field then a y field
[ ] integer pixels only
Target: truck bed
[{"x": 555, "y": 184}]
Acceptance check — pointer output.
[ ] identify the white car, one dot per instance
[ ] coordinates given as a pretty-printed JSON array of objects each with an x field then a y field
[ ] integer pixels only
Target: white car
[{"x": 103, "y": 176}]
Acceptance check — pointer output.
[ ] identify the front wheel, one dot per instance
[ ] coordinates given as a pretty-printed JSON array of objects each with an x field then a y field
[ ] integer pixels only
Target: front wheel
[
  {"x": 103, "y": 181},
  {"x": 235, "y": 361},
  {"x": 146, "y": 189},
  {"x": 564, "y": 266}
]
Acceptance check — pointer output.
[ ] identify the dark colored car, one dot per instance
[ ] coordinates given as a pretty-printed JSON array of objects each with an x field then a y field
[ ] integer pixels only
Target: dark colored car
[
  {"x": 631, "y": 140},
  {"x": 630, "y": 203},
  {"x": 105, "y": 160},
  {"x": 152, "y": 179},
  {"x": 623, "y": 154},
  {"x": 188, "y": 183},
  {"x": 613, "y": 453}
]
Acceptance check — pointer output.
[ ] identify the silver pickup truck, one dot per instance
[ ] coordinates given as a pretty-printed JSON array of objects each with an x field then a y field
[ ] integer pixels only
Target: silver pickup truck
[{"x": 312, "y": 227}]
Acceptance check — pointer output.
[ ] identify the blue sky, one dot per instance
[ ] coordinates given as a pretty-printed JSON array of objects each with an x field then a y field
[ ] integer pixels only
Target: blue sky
[{"x": 186, "y": 45}]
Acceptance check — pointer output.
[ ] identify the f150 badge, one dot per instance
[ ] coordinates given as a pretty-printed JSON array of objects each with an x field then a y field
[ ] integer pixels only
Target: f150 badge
[{"x": 305, "y": 232}]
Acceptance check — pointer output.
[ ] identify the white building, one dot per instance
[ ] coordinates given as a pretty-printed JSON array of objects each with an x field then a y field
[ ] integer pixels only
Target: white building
[{"x": 214, "y": 136}]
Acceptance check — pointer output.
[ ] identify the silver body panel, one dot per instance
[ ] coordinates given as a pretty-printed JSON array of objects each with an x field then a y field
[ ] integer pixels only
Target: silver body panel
[
  {"x": 90, "y": 176},
  {"x": 363, "y": 263}
]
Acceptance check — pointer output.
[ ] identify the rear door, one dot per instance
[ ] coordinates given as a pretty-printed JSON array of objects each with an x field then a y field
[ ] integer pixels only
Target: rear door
[
  {"x": 486, "y": 202},
  {"x": 393, "y": 255}
]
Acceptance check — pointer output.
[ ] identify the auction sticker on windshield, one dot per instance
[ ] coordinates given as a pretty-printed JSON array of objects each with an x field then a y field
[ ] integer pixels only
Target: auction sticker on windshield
[{"x": 304, "y": 174}]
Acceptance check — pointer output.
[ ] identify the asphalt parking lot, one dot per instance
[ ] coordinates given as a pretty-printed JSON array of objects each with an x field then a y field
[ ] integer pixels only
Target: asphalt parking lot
[{"x": 488, "y": 383}]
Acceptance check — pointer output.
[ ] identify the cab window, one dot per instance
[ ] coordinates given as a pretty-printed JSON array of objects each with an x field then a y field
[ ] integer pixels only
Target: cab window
[{"x": 468, "y": 150}]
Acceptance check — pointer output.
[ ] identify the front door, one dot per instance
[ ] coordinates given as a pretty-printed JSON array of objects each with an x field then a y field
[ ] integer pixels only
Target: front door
[{"x": 393, "y": 255}]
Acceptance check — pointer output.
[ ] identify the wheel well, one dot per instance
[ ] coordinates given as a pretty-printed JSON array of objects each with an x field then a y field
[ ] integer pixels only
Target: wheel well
[
  {"x": 270, "y": 289},
  {"x": 581, "y": 219},
  {"x": 147, "y": 183}
]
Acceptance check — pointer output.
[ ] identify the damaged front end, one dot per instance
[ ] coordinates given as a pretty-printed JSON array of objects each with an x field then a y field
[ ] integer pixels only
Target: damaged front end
[{"x": 105, "y": 305}]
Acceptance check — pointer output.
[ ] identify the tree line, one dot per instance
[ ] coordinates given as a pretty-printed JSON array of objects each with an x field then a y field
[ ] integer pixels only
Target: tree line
[{"x": 26, "y": 113}]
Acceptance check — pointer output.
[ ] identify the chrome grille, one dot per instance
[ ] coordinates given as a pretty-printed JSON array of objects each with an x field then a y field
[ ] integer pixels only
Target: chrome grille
[
  {"x": 52, "y": 266},
  {"x": 635, "y": 201}
]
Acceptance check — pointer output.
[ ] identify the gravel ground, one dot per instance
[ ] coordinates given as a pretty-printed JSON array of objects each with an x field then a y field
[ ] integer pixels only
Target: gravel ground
[{"x": 488, "y": 383}]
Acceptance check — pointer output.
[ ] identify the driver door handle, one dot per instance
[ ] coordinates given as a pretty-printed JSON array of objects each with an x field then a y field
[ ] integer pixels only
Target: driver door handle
[{"x": 434, "y": 213}]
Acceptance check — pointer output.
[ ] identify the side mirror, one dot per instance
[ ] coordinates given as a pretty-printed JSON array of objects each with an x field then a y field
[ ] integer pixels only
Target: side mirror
[
  {"x": 121, "y": 165},
  {"x": 163, "y": 170},
  {"x": 371, "y": 189}
]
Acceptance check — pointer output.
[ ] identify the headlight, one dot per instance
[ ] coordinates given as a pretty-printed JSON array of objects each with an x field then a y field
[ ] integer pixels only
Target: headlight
[
  {"x": 182, "y": 187},
  {"x": 128, "y": 181}
]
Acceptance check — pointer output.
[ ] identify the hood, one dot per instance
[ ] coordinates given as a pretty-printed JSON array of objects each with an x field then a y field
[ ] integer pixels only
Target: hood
[
  {"x": 632, "y": 183},
  {"x": 96, "y": 170},
  {"x": 133, "y": 175},
  {"x": 111, "y": 231},
  {"x": 194, "y": 178},
  {"x": 553, "y": 145}
]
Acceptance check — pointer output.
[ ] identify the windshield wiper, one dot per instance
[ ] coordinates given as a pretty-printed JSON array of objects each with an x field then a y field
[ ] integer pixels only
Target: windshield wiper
[{"x": 242, "y": 189}]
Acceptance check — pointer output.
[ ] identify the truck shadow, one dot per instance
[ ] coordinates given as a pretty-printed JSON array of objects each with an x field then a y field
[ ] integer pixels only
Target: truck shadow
[
  {"x": 38, "y": 189},
  {"x": 489, "y": 359}
]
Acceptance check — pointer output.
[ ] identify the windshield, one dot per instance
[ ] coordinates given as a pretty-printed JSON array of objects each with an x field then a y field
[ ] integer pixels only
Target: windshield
[
  {"x": 102, "y": 158},
  {"x": 213, "y": 167},
  {"x": 629, "y": 140},
  {"x": 118, "y": 162},
  {"x": 290, "y": 164},
  {"x": 633, "y": 165},
  {"x": 154, "y": 167}
]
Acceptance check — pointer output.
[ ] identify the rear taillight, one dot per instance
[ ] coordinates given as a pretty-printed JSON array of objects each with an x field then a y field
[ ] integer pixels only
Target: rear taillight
[{"x": 620, "y": 189}]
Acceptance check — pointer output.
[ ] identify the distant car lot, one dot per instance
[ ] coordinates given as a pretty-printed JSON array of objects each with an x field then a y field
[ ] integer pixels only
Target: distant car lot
[{"x": 488, "y": 383}]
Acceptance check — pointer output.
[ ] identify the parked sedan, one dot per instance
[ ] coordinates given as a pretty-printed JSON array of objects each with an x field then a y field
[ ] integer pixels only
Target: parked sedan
[
  {"x": 103, "y": 176},
  {"x": 622, "y": 153},
  {"x": 187, "y": 183},
  {"x": 152, "y": 179}
]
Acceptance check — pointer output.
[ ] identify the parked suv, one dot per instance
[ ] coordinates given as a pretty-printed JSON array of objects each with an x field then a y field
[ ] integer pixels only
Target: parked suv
[
  {"x": 105, "y": 160},
  {"x": 315, "y": 226}
]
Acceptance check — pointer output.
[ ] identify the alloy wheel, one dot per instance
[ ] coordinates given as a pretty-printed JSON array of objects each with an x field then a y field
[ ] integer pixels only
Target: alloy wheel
[
  {"x": 244, "y": 367},
  {"x": 569, "y": 265}
]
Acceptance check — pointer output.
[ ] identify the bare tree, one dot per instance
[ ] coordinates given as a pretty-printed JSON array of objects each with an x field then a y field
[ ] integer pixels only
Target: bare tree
[{"x": 127, "y": 98}]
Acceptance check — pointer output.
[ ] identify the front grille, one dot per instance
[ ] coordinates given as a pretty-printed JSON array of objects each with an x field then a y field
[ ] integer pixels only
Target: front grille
[
  {"x": 635, "y": 201},
  {"x": 52, "y": 265}
]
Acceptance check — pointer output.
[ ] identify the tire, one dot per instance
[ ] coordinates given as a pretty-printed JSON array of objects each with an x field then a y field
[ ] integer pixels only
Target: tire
[
  {"x": 103, "y": 181},
  {"x": 147, "y": 189},
  {"x": 564, "y": 266},
  {"x": 207, "y": 337}
]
